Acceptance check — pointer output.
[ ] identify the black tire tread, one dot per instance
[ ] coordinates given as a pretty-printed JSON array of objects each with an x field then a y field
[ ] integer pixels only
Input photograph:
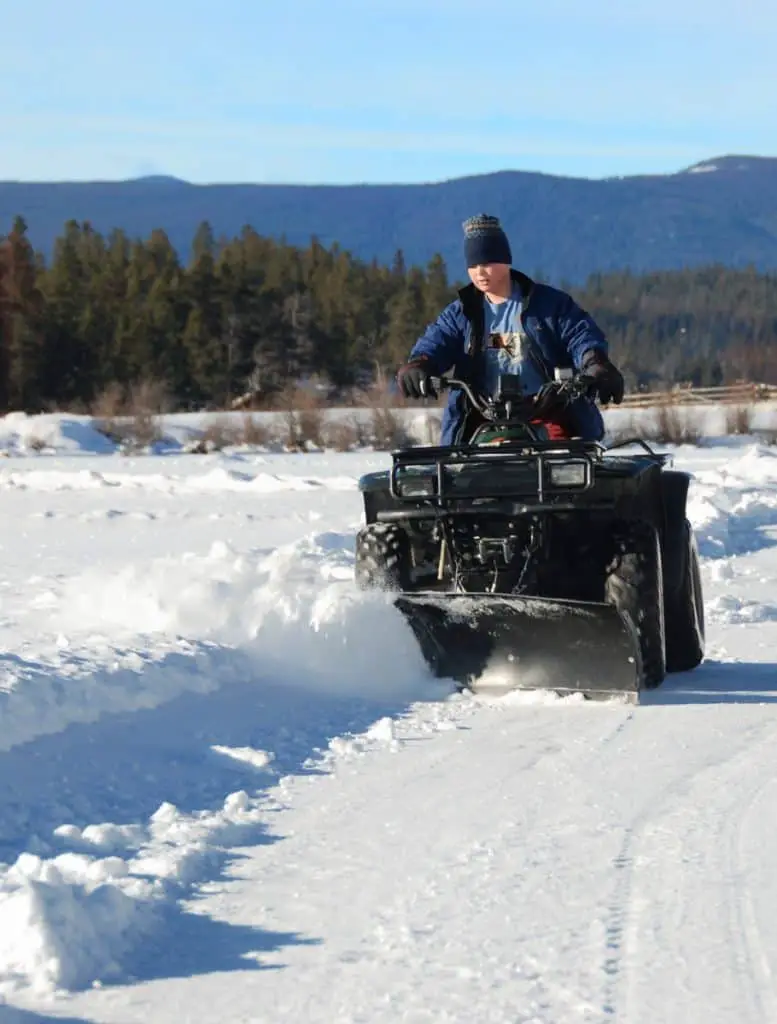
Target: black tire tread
[
  {"x": 634, "y": 584},
  {"x": 382, "y": 559}
]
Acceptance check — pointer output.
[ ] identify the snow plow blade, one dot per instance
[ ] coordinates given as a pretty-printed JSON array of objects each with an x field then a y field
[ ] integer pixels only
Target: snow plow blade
[{"x": 504, "y": 642}]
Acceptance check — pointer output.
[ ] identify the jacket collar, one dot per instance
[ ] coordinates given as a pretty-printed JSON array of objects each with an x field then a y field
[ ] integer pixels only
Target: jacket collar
[{"x": 472, "y": 298}]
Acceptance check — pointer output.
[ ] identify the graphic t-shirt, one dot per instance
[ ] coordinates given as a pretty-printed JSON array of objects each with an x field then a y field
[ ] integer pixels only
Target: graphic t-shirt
[{"x": 506, "y": 347}]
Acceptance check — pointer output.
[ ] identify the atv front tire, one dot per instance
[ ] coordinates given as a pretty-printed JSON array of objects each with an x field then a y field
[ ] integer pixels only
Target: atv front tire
[
  {"x": 383, "y": 560},
  {"x": 685, "y": 611},
  {"x": 634, "y": 585}
]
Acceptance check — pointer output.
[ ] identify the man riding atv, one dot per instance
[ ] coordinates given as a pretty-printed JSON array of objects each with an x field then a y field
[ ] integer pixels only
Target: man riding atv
[
  {"x": 506, "y": 323},
  {"x": 553, "y": 562}
]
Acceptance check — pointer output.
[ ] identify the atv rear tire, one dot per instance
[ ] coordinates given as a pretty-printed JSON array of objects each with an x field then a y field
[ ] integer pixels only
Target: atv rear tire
[
  {"x": 382, "y": 558},
  {"x": 634, "y": 584},
  {"x": 685, "y": 611}
]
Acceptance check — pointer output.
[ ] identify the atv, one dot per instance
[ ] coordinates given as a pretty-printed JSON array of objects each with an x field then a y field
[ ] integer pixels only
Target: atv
[{"x": 561, "y": 565}]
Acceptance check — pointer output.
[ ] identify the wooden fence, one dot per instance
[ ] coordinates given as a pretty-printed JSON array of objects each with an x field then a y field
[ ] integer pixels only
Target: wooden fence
[{"x": 733, "y": 394}]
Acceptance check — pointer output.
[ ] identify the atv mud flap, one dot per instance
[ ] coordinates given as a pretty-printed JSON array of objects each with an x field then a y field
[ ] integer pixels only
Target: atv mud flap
[{"x": 501, "y": 642}]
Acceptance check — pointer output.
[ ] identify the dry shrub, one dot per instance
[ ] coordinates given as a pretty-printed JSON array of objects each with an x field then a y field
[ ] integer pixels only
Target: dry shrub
[
  {"x": 219, "y": 433},
  {"x": 311, "y": 424},
  {"x": 383, "y": 389},
  {"x": 108, "y": 409},
  {"x": 675, "y": 426},
  {"x": 386, "y": 424},
  {"x": 303, "y": 418},
  {"x": 342, "y": 435},
  {"x": 739, "y": 419},
  {"x": 110, "y": 403},
  {"x": 146, "y": 402},
  {"x": 362, "y": 430},
  {"x": 131, "y": 417},
  {"x": 227, "y": 431},
  {"x": 669, "y": 424},
  {"x": 388, "y": 430},
  {"x": 255, "y": 432}
]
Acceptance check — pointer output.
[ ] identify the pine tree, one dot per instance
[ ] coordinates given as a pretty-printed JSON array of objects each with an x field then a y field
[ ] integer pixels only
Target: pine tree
[
  {"x": 406, "y": 320},
  {"x": 437, "y": 292},
  {"x": 22, "y": 346}
]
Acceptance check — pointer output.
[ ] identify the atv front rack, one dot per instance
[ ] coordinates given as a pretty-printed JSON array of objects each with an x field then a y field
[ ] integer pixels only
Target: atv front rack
[{"x": 544, "y": 469}]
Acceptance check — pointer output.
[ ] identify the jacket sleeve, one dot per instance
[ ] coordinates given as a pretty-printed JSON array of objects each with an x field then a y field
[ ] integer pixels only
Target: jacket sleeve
[
  {"x": 442, "y": 343},
  {"x": 578, "y": 331}
]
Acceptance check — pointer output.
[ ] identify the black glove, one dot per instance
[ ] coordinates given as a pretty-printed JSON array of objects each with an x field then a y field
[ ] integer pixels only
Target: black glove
[
  {"x": 607, "y": 378},
  {"x": 415, "y": 379}
]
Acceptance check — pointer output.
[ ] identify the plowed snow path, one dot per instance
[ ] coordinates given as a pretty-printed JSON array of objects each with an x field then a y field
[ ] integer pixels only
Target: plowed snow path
[
  {"x": 526, "y": 860},
  {"x": 512, "y": 863}
]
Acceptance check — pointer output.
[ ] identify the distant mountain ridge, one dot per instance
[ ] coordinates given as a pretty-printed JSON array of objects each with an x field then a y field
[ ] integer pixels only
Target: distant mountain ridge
[{"x": 719, "y": 211}]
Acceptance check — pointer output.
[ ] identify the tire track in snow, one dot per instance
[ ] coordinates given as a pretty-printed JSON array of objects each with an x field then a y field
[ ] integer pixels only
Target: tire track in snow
[
  {"x": 739, "y": 530},
  {"x": 616, "y": 922},
  {"x": 394, "y": 905},
  {"x": 628, "y": 902},
  {"x": 745, "y": 927},
  {"x": 549, "y": 760},
  {"x": 637, "y": 911}
]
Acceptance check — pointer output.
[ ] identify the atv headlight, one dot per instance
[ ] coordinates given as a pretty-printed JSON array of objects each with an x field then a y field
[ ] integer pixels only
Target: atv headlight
[
  {"x": 418, "y": 486},
  {"x": 568, "y": 474}
]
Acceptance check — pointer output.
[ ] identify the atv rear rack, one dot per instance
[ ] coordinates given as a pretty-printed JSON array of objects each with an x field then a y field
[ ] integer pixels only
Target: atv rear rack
[{"x": 540, "y": 459}]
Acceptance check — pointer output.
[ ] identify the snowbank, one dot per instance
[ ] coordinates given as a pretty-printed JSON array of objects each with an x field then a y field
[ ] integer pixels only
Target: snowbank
[
  {"x": 70, "y": 921},
  {"x": 290, "y": 617},
  {"x": 730, "y": 505},
  {"x": 51, "y": 432}
]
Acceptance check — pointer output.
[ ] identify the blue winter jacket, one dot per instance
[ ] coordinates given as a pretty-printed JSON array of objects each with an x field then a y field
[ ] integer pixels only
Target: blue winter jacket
[{"x": 560, "y": 332}]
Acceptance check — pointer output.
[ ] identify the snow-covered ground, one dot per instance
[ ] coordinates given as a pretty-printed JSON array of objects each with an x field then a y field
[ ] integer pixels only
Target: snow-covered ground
[
  {"x": 231, "y": 791},
  {"x": 63, "y": 433}
]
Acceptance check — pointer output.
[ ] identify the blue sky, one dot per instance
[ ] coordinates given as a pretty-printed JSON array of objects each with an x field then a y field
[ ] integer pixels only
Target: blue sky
[{"x": 381, "y": 90}]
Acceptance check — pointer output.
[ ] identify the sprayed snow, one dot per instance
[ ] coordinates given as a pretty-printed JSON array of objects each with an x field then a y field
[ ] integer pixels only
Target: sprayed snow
[
  {"x": 285, "y": 615},
  {"x": 219, "y": 758}
]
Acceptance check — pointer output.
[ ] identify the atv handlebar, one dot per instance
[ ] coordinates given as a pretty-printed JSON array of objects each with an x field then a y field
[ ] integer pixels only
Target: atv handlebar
[
  {"x": 443, "y": 383},
  {"x": 571, "y": 388}
]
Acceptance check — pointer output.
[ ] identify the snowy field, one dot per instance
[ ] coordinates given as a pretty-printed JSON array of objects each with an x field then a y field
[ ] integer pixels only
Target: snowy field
[{"x": 231, "y": 792}]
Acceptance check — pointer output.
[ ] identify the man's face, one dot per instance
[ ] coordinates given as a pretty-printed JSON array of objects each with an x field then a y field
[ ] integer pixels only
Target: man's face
[{"x": 489, "y": 276}]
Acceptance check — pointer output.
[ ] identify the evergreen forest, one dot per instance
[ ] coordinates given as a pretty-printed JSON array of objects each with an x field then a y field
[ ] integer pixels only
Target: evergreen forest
[{"x": 251, "y": 314}]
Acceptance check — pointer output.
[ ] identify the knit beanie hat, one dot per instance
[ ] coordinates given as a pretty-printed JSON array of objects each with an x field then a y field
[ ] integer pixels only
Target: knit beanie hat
[{"x": 485, "y": 241}]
